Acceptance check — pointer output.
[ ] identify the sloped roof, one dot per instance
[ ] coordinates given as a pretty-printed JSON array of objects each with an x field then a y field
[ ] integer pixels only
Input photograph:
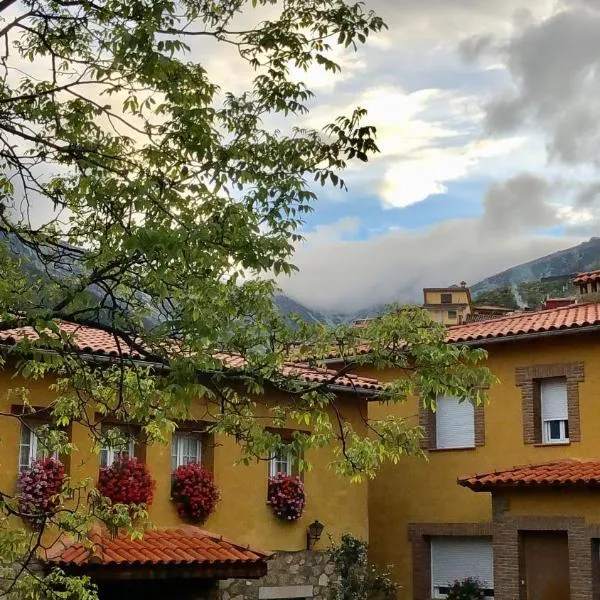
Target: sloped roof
[
  {"x": 95, "y": 341},
  {"x": 183, "y": 545},
  {"x": 571, "y": 317},
  {"x": 561, "y": 473},
  {"x": 586, "y": 277}
]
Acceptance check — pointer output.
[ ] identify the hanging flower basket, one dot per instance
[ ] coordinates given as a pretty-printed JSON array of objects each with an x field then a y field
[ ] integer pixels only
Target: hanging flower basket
[
  {"x": 127, "y": 481},
  {"x": 194, "y": 492},
  {"x": 286, "y": 497},
  {"x": 39, "y": 487}
]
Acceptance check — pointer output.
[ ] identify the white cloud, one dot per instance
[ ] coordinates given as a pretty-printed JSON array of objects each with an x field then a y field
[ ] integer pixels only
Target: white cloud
[{"x": 340, "y": 275}]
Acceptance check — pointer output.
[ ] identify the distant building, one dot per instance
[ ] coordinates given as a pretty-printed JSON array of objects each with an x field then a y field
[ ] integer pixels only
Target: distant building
[
  {"x": 587, "y": 283},
  {"x": 448, "y": 305}
]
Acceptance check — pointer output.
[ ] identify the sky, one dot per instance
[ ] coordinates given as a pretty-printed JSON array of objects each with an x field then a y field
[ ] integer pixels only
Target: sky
[
  {"x": 488, "y": 124},
  {"x": 488, "y": 121}
]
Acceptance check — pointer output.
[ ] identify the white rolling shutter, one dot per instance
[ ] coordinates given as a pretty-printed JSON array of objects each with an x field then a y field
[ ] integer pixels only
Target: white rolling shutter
[
  {"x": 554, "y": 399},
  {"x": 455, "y": 558},
  {"x": 454, "y": 423}
]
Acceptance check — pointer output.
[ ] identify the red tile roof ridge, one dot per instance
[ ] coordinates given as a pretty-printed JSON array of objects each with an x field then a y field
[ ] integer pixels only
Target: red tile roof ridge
[
  {"x": 573, "y": 316},
  {"x": 566, "y": 471},
  {"x": 585, "y": 276},
  {"x": 198, "y": 531},
  {"x": 97, "y": 341},
  {"x": 523, "y": 313},
  {"x": 175, "y": 545}
]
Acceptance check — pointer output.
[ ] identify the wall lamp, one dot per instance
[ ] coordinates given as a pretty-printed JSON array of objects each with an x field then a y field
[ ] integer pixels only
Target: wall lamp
[{"x": 313, "y": 533}]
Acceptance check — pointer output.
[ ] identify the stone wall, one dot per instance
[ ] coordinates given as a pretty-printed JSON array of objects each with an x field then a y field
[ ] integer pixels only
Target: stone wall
[{"x": 306, "y": 574}]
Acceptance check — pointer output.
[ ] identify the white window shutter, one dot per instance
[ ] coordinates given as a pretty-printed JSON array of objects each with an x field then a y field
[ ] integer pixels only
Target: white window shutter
[
  {"x": 454, "y": 423},
  {"x": 554, "y": 399},
  {"x": 455, "y": 558}
]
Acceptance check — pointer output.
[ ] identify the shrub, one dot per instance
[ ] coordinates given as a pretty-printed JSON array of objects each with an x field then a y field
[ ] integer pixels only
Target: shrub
[
  {"x": 357, "y": 579},
  {"x": 194, "y": 492},
  {"x": 126, "y": 481},
  {"x": 469, "y": 588},
  {"x": 39, "y": 488},
  {"x": 286, "y": 496}
]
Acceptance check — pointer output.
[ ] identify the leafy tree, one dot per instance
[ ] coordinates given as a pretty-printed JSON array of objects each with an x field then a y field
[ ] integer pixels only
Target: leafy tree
[
  {"x": 139, "y": 197},
  {"x": 358, "y": 580},
  {"x": 500, "y": 297}
]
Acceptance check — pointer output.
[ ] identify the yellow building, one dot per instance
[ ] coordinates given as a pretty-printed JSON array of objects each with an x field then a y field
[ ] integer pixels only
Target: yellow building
[
  {"x": 448, "y": 306},
  {"x": 530, "y": 532},
  {"x": 242, "y": 513}
]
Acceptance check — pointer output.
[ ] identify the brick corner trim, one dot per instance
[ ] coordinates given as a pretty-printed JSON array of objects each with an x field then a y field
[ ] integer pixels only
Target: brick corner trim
[
  {"x": 527, "y": 378},
  {"x": 419, "y": 534}
]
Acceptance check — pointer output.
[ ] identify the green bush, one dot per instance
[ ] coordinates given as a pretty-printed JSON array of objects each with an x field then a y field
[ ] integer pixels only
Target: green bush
[{"x": 469, "y": 588}]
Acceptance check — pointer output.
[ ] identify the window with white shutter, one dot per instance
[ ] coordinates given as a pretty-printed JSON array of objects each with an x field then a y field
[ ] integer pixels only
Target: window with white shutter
[
  {"x": 454, "y": 423},
  {"x": 554, "y": 410},
  {"x": 456, "y": 558}
]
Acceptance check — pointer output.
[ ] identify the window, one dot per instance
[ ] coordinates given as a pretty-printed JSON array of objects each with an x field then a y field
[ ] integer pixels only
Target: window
[
  {"x": 446, "y": 298},
  {"x": 186, "y": 448},
  {"x": 452, "y": 314},
  {"x": 555, "y": 410},
  {"x": 281, "y": 462},
  {"x": 455, "y": 558},
  {"x": 454, "y": 423},
  {"x": 109, "y": 453},
  {"x": 31, "y": 447}
]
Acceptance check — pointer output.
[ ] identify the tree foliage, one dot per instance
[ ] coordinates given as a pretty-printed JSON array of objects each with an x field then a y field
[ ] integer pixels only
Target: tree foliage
[
  {"x": 358, "y": 580},
  {"x": 145, "y": 200}
]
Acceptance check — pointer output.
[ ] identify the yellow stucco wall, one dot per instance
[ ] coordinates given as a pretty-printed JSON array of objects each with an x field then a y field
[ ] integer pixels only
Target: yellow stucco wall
[
  {"x": 426, "y": 490},
  {"x": 459, "y": 296},
  {"x": 242, "y": 513},
  {"x": 555, "y": 503}
]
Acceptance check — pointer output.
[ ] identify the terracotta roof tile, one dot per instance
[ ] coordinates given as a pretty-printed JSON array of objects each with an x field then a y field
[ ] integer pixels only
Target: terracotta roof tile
[
  {"x": 99, "y": 342},
  {"x": 569, "y": 472},
  {"x": 180, "y": 545},
  {"x": 586, "y": 277},
  {"x": 85, "y": 339},
  {"x": 311, "y": 374},
  {"x": 564, "y": 318}
]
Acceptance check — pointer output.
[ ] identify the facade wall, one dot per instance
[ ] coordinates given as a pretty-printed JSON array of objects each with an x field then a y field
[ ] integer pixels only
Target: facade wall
[
  {"x": 573, "y": 512},
  {"x": 307, "y": 574},
  {"x": 242, "y": 513},
  {"x": 459, "y": 296},
  {"x": 419, "y": 491}
]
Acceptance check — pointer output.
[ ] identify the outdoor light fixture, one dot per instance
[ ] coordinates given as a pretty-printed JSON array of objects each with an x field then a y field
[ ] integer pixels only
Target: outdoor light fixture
[{"x": 313, "y": 533}]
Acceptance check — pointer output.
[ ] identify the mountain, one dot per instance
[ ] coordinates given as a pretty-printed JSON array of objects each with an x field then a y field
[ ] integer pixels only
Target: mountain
[
  {"x": 287, "y": 306},
  {"x": 519, "y": 285},
  {"x": 583, "y": 257}
]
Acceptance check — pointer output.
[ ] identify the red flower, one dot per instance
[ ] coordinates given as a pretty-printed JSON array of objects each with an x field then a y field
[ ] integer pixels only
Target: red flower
[
  {"x": 194, "y": 492},
  {"x": 39, "y": 487},
  {"x": 126, "y": 481},
  {"x": 286, "y": 496}
]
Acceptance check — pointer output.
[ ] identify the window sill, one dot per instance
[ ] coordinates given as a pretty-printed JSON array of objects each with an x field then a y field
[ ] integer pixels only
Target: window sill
[
  {"x": 552, "y": 444},
  {"x": 463, "y": 449}
]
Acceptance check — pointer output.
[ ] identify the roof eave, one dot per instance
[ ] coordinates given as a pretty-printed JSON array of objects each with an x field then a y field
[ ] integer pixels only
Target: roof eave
[{"x": 527, "y": 336}]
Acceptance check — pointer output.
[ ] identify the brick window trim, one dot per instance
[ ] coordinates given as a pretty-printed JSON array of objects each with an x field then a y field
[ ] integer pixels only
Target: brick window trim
[
  {"x": 528, "y": 377},
  {"x": 419, "y": 535},
  {"x": 583, "y": 540},
  {"x": 427, "y": 422}
]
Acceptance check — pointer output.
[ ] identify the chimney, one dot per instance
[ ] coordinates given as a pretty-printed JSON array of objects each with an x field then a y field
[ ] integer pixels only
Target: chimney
[{"x": 463, "y": 284}]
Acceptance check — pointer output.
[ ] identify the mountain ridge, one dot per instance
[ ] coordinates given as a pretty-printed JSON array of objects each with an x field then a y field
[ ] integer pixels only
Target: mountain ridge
[{"x": 582, "y": 257}]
